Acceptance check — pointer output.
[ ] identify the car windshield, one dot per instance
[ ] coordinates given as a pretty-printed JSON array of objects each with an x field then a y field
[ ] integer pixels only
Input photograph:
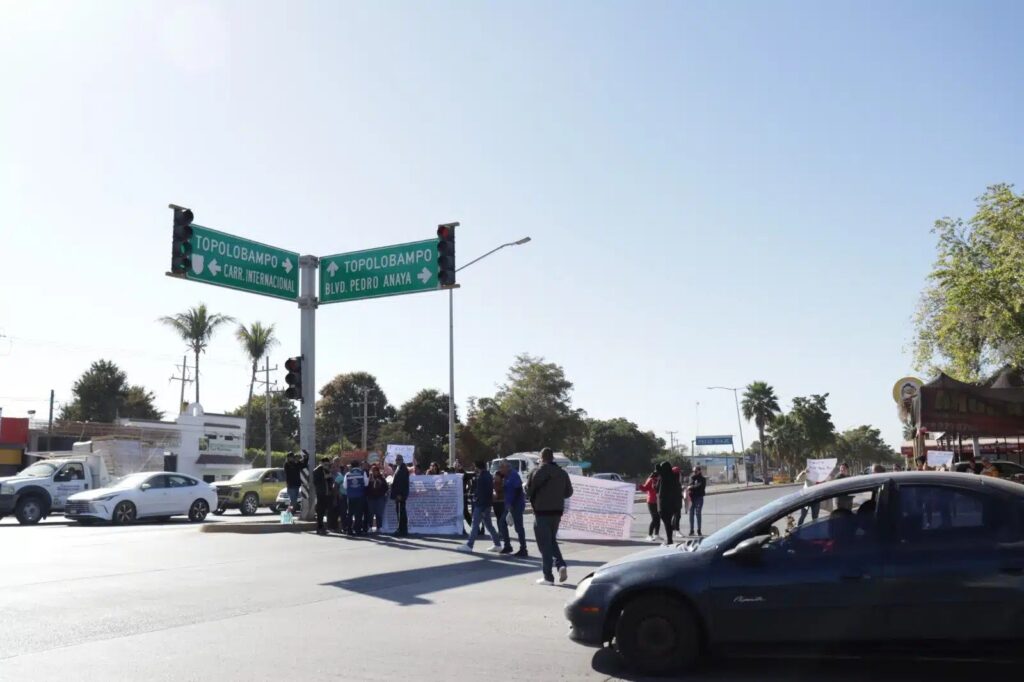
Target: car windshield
[
  {"x": 130, "y": 481},
  {"x": 39, "y": 470},
  {"x": 246, "y": 476},
  {"x": 766, "y": 512}
]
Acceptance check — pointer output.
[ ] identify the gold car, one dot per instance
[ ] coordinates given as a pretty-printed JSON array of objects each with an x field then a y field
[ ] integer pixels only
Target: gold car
[{"x": 249, "y": 490}]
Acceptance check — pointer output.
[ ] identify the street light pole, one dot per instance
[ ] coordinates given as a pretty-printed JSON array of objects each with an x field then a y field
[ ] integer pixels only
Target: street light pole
[
  {"x": 739, "y": 422},
  {"x": 451, "y": 349}
]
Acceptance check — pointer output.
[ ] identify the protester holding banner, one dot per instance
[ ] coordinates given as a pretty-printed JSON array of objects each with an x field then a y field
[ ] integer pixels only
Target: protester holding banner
[
  {"x": 515, "y": 502},
  {"x": 376, "y": 499},
  {"x": 548, "y": 486},
  {"x": 400, "y": 493}
]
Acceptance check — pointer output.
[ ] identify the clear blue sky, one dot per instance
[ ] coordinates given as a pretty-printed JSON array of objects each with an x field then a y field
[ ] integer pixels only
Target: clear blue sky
[{"x": 717, "y": 192}]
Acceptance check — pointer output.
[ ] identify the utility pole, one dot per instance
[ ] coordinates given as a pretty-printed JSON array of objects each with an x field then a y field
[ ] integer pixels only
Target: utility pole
[
  {"x": 183, "y": 379},
  {"x": 308, "y": 302},
  {"x": 266, "y": 400},
  {"x": 672, "y": 441},
  {"x": 365, "y": 402}
]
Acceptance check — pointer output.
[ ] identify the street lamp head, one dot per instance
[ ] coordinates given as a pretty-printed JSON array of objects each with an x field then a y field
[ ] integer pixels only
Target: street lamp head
[{"x": 521, "y": 241}]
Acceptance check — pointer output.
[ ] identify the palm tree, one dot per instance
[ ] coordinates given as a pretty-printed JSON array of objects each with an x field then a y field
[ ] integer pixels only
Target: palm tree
[
  {"x": 196, "y": 326},
  {"x": 761, "y": 405},
  {"x": 256, "y": 340}
]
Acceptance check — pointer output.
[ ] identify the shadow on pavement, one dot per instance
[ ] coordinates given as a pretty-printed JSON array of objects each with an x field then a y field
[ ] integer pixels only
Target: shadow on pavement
[
  {"x": 406, "y": 588},
  {"x": 607, "y": 662}
]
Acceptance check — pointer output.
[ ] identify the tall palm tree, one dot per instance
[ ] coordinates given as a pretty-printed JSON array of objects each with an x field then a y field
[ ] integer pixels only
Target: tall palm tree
[
  {"x": 761, "y": 405},
  {"x": 196, "y": 326},
  {"x": 256, "y": 340}
]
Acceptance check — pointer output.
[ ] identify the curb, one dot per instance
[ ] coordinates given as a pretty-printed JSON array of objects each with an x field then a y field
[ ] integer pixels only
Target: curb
[{"x": 258, "y": 528}]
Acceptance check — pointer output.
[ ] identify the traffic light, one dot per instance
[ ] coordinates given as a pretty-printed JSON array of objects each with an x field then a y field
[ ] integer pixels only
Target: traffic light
[
  {"x": 446, "y": 254},
  {"x": 181, "y": 249},
  {"x": 293, "y": 378}
]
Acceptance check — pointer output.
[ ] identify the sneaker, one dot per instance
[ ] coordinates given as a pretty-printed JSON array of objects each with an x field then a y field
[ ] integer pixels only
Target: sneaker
[
  {"x": 544, "y": 581},
  {"x": 654, "y": 538},
  {"x": 563, "y": 574},
  {"x": 494, "y": 548},
  {"x": 522, "y": 553},
  {"x": 506, "y": 550},
  {"x": 465, "y": 548}
]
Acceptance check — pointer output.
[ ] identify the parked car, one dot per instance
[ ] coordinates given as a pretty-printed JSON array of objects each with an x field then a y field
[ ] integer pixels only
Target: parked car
[
  {"x": 144, "y": 495},
  {"x": 1011, "y": 471},
  {"x": 250, "y": 489},
  {"x": 894, "y": 558},
  {"x": 45, "y": 486},
  {"x": 609, "y": 477}
]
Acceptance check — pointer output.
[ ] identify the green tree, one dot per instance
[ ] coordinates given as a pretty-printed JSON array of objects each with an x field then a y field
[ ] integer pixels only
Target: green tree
[
  {"x": 468, "y": 446},
  {"x": 339, "y": 411},
  {"x": 196, "y": 326},
  {"x": 863, "y": 446},
  {"x": 786, "y": 437},
  {"x": 618, "y": 446},
  {"x": 256, "y": 340},
  {"x": 816, "y": 421},
  {"x": 531, "y": 411},
  {"x": 391, "y": 432},
  {"x": 102, "y": 394},
  {"x": 284, "y": 422},
  {"x": 424, "y": 417},
  {"x": 760, "y": 404},
  {"x": 970, "y": 319}
]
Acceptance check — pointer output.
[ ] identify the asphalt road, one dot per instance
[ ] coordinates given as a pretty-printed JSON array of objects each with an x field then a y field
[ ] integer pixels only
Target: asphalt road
[{"x": 166, "y": 602}]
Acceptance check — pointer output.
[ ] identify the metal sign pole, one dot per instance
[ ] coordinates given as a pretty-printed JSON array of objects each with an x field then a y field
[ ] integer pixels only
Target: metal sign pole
[{"x": 307, "y": 414}]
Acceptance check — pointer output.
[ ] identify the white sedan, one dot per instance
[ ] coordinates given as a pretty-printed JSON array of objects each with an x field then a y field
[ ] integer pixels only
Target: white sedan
[{"x": 144, "y": 495}]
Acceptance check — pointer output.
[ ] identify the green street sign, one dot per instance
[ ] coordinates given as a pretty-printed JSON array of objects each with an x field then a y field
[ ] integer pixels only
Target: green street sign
[
  {"x": 385, "y": 271},
  {"x": 230, "y": 261}
]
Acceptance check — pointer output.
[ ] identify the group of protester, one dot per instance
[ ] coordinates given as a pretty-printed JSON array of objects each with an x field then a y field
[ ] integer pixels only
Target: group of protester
[
  {"x": 668, "y": 496},
  {"x": 352, "y": 501}
]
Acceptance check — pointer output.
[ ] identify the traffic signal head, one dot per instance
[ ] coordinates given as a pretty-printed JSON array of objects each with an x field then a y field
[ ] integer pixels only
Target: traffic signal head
[
  {"x": 181, "y": 249},
  {"x": 293, "y": 378},
  {"x": 446, "y": 253}
]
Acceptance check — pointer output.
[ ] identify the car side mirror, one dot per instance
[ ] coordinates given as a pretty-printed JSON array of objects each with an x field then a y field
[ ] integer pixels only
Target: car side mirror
[
  {"x": 145, "y": 486},
  {"x": 748, "y": 551}
]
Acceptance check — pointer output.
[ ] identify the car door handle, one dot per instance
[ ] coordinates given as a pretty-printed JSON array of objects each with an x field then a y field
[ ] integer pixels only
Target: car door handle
[{"x": 854, "y": 577}]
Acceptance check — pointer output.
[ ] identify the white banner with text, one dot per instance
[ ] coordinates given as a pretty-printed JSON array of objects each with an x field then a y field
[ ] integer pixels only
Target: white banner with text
[
  {"x": 818, "y": 470},
  {"x": 597, "y": 510},
  {"x": 434, "y": 506}
]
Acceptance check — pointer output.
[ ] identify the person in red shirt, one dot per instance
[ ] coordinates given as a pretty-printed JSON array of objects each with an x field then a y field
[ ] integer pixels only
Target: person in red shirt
[{"x": 650, "y": 486}]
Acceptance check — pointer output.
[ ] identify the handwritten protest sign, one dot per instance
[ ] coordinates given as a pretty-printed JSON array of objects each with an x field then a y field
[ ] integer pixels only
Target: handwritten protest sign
[
  {"x": 597, "y": 510},
  {"x": 406, "y": 451},
  {"x": 818, "y": 470},
  {"x": 937, "y": 458},
  {"x": 434, "y": 506}
]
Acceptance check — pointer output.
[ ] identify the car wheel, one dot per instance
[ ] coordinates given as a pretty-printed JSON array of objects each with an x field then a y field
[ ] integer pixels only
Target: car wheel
[
  {"x": 657, "y": 635},
  {"x": 124, "y": 513},
  {"x": 29, "y": 511},
  {"x": 198, "y": 511},
  {"x": 250, "y": 504}
]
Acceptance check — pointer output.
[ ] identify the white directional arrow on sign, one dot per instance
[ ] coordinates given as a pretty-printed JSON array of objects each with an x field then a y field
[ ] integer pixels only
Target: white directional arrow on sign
[
  {"x": 288, "y": 265},
  {"x": 214, "y": 268},
  {"x": 332, "y": 268},
  {"x": 424, "y": 275}
]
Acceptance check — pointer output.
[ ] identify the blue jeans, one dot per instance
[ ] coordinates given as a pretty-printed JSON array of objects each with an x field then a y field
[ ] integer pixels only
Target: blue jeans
[
  {"x": 293, "y": 496},
  {"x": 696, "y": 508},
  {"x": 517, "y": 521},
  {"x": 482, "y": 514},
  {"x": 546, "y": 530}
]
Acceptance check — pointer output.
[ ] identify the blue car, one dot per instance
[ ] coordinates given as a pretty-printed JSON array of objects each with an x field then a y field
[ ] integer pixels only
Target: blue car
[{"x": 893, "y": 560}]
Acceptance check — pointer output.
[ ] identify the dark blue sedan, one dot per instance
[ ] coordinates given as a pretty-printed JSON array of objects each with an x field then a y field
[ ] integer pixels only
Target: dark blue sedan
[{"x": 893, "y": 560}]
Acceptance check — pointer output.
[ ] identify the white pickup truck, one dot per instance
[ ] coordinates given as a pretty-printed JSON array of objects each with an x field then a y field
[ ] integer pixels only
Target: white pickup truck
[{"x": 41, "y": 488}]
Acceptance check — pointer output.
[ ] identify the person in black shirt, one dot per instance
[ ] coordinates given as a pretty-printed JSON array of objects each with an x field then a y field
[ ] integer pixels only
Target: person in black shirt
[
  {"x": 670, "y": 497},
  {"x": 293, "y": 467},
  {"x": 322, "y": 485},
  {"x": 400, "y": 493},
  {"x": 697, "y": 486}
]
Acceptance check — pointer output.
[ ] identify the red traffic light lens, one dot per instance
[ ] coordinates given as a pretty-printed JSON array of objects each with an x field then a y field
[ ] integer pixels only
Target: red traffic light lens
[
  {"x": 293, "y": 364},
  {"x": 444, "y": 232}
]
